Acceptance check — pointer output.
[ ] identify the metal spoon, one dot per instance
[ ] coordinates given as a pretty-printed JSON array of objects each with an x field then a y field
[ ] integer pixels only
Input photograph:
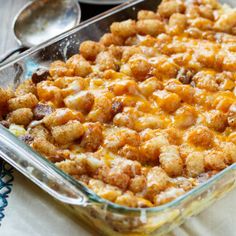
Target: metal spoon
[{"x": 41, "y": 20}]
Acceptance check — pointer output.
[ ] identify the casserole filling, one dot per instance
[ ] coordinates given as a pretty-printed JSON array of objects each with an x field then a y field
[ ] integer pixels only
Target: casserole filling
[{"x": 145, "y": 114}]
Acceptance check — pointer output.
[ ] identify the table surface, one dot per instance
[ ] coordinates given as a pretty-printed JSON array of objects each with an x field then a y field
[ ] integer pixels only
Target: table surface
[
  {"x": 8, "y": 10},
  {"x": 216, "y": 221}
]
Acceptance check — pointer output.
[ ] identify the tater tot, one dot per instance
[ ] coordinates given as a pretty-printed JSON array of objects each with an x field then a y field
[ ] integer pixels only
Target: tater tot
[
  {"x": 226, "y": 21},
  {"x": 170, "y": 160},
  {"x": 131, "y": 168},
  {"x": 73, "y": 167},
  {"x": 229, "y": 150},
  {"x": 46, "y": 91},
  {"x": 143, "y": 203},
  {"x": 59, "y": 68},
  {"x": 149, "y": 121},
  {"x": 44, "y": 147},
  {"x": 201, "y": 23},
  {"x": 111, "y": 39},
  {"x": 162, "y": 65},
  {"x": 5, "y": 95},
  {"x": 101, "y": 110},
  {"x": 92, "y": 137},
  {"x": 124, "y": 29},
  {"x": 106, "y": 61},
  {"x": 206, "y": 80},
  {"x": 79, "y": 65},
  {"x": 139, "y": 66},
  {"x": 117, "y": 107},
  {"x": 81, "y": 101},
  {"x": 185, "y": 117},
  {"x": 201, "y": 136},
  {"x": 116, "y": 52},
  {"x": 73, "y": 88},
  {"x": 67, "y": 133},
  {"x": 169, "y": 102},
  {"x": 206, "y": 11},
  {"x": 40, "y": 131},
  {"x": 129, "y": 52},
  {"x": 174, "y": 135},
  {"x": 186, "y": 92},
  {"x": 61, "y": 116},
  {"x": 63, "y": 82},
  {"x": 152, "y": 27},
  {"x": 223, "y": 103},
  {"x": 26, "y": 87},
  {"x": 124, "y": 87},
  {"x": 167, "y": 8},
  {"x": 116, "y": 138},
  {"x": 232, "y": 137},
  {"x": 185, "y": 149},
  {"x": 157, "y": 180},
  {"x": 130, "y": 152},
  {"x": 151, "y": 148},
  {"x": 124, "y": 119},
  {"x": 231, "y": 117},
  {"x": 24, "y": 101},
  {"x": 132, "y": 41},
  {"x": 115, "y": 177},
  {"x": 216, "y": 120},
  {"x": 130, "y": 136},
  {"x": 213, "y": 3},
  {"x": 90, "y": 49},
  {"x": 137, "y": 184},
  {"x": 195, "y": 164},
  {"x": 229, "y": 62},
  {"x": 103, "y": 190},
  {"x": 148, "y": 86},
  {"x": 192, "y": 11},
  {"x": 214, "y": 160},
  {"x": 226, "y": 80},
  {"x": 22, "y": 116},
  {"x": 177, "y": 23}
]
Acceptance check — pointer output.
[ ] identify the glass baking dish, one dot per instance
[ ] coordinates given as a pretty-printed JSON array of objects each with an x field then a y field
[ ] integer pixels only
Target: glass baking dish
[{"x": 107, "y": 217}]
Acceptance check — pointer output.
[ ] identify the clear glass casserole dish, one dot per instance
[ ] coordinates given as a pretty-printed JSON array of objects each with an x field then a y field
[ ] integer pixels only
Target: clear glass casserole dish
[{"x": 109, "y": 218}]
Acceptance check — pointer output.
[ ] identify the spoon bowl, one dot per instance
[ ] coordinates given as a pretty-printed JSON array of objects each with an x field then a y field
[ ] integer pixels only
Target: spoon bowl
[{"x": 41, "y": 20}]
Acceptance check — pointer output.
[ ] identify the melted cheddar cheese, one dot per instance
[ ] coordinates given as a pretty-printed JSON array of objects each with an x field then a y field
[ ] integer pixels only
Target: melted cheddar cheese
[{"x": 145, "y": 114}]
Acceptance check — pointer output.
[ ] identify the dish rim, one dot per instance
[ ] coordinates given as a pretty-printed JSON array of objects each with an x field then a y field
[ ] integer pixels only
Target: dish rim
[{"x": 91, "y": 196}]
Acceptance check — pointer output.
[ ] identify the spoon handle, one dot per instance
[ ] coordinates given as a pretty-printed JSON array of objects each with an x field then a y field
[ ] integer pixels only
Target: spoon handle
[{"x": 12, "y": 52}]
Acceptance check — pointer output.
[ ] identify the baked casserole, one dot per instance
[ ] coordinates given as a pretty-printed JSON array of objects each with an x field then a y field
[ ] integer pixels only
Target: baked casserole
[{"x": 145, "y": 114}]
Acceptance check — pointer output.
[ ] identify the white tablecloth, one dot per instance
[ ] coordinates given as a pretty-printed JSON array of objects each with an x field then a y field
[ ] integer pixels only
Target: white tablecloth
[{"x": 31, "y": 212}]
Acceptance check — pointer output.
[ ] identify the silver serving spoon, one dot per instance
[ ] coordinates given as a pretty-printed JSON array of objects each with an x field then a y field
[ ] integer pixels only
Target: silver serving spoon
[{"x": 41, "y": 20}]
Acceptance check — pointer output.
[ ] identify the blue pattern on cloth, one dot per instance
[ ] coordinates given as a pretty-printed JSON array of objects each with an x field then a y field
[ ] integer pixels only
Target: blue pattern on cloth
[{"x": 6, "y": 178}]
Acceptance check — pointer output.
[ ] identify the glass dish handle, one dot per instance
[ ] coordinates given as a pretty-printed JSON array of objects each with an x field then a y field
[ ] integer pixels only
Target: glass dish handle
[{"x": 39, "y": 170}]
